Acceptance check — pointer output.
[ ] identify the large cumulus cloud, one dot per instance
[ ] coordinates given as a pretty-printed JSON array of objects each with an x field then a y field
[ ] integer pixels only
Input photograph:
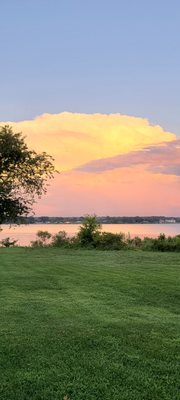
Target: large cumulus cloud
[{"x": 75, "y": 139}]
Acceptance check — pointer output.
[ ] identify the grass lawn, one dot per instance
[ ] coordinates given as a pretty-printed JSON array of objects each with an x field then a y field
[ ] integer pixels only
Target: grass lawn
[{"x": 89, "y": 325}]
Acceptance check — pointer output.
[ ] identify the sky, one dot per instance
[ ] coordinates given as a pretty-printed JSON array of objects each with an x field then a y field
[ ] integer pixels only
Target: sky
[{"x": 96, "y": 84}]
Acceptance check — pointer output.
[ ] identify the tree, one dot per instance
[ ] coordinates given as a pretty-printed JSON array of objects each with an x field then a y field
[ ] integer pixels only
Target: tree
[
  {"x": 23, "y": 175},
  {"x": 89, "y": 231}
]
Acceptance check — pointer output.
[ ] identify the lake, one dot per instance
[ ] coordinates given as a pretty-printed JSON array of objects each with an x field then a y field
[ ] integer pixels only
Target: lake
[{"x": 25, "y": 233}]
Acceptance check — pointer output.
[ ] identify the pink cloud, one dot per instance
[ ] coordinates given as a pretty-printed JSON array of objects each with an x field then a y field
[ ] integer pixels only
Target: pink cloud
[{"x": 163, "y": 158}]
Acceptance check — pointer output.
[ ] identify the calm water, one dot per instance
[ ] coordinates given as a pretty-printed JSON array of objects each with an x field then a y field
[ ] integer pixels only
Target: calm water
[{"x": 25, "y": 233}]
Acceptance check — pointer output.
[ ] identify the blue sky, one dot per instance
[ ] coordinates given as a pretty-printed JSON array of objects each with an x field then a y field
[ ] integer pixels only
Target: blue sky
[{"x": 91, "y": 57}]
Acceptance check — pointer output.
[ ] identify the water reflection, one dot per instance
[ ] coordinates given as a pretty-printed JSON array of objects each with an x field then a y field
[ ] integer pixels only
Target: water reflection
[{"x": 25, "y": 233}]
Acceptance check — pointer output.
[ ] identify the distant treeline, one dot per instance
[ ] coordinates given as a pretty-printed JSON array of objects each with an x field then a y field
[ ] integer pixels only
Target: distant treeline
[{"x": 101, "y": 220}]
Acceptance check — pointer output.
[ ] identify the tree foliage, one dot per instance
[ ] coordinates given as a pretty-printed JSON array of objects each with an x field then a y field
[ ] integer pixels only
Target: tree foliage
[
  {"x": 89, "y": 231},
  {"x": 23, "y": 175}
]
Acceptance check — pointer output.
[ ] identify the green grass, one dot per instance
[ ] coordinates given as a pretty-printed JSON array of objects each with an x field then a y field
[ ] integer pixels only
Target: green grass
[{"x": 88, "y": 325}]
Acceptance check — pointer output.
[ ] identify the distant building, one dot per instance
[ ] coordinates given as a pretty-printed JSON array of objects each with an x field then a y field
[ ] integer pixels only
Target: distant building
[{"x": 167, "y": 221}]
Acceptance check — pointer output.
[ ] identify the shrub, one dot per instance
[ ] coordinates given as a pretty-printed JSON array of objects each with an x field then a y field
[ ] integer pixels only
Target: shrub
[
  {"x": 42, "y": 240},
  {"x": 7, "y": 242},
  {"x": 89, "y": 232},
  {"x": 110, "y": 241},
  {"x": 61, "y": 239},
  {"x": 37, "y": 243},
  {"x": 162, "y": 243},
  {"x": 147, "y": 244},
  {"x": 137, "y": 242},
  {"x": 133, "y": 243}
]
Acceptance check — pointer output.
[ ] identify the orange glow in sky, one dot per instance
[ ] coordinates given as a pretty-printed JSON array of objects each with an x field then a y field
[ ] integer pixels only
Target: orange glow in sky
[{"x": 110, "y": 164}]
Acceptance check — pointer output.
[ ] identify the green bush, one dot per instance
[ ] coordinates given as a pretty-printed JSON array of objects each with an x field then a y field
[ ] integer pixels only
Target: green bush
[
  {"x": 89, "y": 232},
  {"x": 37, "y": 243},
  {"x": 61, "y": 239},
  {"x": 110, "y": 241},
  {"x": 42, "y": 239},
  {"x": 147, "y": 244},
  {"x": 133, "y": 243},
  {"x": 162, "y": 243},
  {"x": 7, "y": 242}
]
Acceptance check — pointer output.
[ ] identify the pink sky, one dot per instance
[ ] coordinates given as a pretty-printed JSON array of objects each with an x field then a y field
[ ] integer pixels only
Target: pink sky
[{"x": 109, "y": 164}]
